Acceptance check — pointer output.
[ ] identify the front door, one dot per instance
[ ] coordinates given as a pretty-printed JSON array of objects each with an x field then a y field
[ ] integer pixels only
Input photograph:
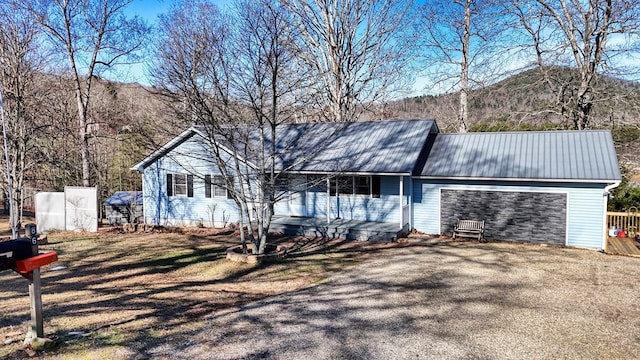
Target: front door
[{"x": 298, "y": 195}]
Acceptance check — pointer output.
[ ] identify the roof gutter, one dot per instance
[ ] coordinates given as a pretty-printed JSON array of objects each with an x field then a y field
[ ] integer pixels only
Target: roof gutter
[
  {"x": 545, "y": 180},
  {"x": 345, "y": 173}
]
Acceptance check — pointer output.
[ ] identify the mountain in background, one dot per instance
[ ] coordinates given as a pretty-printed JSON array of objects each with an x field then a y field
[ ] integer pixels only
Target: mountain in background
[
  {"x": 524, "y": 101},
  {"x": 521, "y": 102}
]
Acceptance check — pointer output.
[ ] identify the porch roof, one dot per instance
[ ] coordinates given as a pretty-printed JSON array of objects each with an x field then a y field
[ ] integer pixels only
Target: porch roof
[{"x": 380, "y": 147}]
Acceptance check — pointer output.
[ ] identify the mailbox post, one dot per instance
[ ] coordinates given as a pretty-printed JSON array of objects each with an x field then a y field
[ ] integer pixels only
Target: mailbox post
[
  {"x": 35, "y": 292},
  {"x": 22, "y": 256}
]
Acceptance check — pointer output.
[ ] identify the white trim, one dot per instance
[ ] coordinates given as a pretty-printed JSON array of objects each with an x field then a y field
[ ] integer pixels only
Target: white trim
[
  {"x": 566, "y": 220},
  {"x": 347, "y": 173},
  {"x": 605, "y": 196},
  {"x": 328, "y": 201},
  {"x": 162, "y": 150},
  {"x": 401, "y": 198},
  {"x": 175, "y": 142},
  {"x": 545, "y": 180},
  {"x": 174, "y": 184},
  {"x": 410, "y": 202},
  {"x": 493, "y": 188}
]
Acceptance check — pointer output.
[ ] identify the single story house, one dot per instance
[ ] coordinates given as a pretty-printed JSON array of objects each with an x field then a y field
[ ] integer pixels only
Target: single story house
[{"x": 546, "y": 187}]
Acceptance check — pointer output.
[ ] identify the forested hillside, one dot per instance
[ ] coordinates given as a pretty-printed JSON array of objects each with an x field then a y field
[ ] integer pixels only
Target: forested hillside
[
  {"x": 73, "y": 121},
  {"x": 129, "y": 121},
  {"x": 525, "y": 101}
]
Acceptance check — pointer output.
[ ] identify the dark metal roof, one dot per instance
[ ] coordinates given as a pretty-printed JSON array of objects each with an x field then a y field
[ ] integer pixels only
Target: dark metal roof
[
  {"x": 385, "y": 147},
  {"x": 125, "y": 198},
  {"x": 547, "y": 155},
  {"x": 358, "y": 147}
]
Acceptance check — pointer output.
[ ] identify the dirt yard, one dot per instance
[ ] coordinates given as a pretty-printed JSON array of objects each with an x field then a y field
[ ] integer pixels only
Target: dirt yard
[
  {"x": 168, "y": 295},
  {"x": 120, "y": 290}
]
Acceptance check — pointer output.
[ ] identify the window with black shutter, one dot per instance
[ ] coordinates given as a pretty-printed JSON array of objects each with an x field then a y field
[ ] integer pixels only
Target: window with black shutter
[
  {"x": 179, "y": 185},
  {"x": 207, "y": 186},
  {"x": 190, "y": 185},
  {"x": 169, "y": 184}
]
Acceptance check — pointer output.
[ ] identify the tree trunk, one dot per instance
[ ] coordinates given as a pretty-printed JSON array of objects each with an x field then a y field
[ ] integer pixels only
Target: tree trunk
[{"x": 463, "y": 113}]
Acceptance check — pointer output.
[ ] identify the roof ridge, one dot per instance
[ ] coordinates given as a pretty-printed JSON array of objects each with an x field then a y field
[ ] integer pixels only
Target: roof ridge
[{"x": 529, "y": 132}]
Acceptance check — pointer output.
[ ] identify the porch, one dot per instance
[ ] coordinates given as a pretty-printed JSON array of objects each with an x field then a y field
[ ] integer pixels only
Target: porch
[
  {"x": 338, "y": 228},
  {"x": 627, "y": 246}
]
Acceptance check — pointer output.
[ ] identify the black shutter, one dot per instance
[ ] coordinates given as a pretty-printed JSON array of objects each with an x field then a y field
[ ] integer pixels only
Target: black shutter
[
  {"x": 169, "y": 185},
  {"x": 190, "y": 185},
  {"x": 229, "y": 187},
  {"x": 375, "y": 186},
  {"x": 207, "y": 186}
]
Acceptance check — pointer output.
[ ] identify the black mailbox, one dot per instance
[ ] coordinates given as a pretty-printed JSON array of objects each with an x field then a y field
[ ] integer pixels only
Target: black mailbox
[{"x": 12, "y": 250}]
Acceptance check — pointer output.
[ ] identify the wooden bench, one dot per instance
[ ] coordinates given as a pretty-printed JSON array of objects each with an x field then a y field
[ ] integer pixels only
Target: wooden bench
[{"x": 469, "y": 228}]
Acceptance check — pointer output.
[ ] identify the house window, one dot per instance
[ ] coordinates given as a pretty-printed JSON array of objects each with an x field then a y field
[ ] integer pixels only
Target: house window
[
  {"x": 180, "y": 185},
  {"x": 362, "y": 185},
  {"x": 355, "y": 185},
  {"x": 282, "y": 183},
  {"x": 216, "y": 186},
  {"x": 219, "y": 186},
  {"x": 317, "y": 183},
  {"x": 342, "y": 185}
]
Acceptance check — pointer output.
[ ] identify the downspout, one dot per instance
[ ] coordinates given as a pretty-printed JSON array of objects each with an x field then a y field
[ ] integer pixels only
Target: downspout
[{"x": 607, "y": 190}]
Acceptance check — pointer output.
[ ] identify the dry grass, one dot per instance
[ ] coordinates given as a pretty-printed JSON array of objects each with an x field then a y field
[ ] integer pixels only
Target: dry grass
[{"x": 121, "y": 294}]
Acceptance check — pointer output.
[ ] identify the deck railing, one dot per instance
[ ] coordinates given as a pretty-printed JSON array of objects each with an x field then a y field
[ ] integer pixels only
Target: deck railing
[{"x": 628, "y": 221}]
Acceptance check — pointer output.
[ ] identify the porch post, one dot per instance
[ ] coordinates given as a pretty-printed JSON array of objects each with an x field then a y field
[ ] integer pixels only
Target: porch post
[
  {"x": 401, "y": 196},
  {"x": 328, "y": 201},
  {"x": 410, "y": 203}
]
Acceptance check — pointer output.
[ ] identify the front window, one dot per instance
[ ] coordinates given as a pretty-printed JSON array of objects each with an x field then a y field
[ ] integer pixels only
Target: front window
[
  {"x": 219, "y": 186},
  {"x": 179, "y": 184},
  {"x": 362, "y": 185},
  {"x": 355, "y": 185},
  {"x": 317, "y": 183}
]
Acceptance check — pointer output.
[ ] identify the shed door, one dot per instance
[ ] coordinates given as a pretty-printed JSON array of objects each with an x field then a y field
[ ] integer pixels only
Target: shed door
[{"x": 519, "y": 216}]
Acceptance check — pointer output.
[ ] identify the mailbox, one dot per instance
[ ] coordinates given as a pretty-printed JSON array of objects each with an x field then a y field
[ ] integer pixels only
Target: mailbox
[{"x": 13, "y": 250}]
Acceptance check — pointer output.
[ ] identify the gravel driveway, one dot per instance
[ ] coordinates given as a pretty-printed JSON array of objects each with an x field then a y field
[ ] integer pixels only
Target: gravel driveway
[{"x": 443, "y": 301}]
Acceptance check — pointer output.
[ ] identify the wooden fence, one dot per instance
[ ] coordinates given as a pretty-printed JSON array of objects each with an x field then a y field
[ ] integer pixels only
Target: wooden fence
[{"x": 628, "y": 221}]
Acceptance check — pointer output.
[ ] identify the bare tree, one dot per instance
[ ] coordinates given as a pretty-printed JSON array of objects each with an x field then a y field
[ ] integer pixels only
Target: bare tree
[
  {"x": 95, "y": 36},
  {"x": 575, "y": 42},
  {"x": 355, "y": 49},
  {"x": 235, "y": 75},
  {"x": 18, "y": 82},
  {"x": 461, "y": 44}
]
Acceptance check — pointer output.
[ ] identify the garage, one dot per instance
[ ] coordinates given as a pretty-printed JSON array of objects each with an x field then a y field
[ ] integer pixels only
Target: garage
[{"x": 539, "y": 217}]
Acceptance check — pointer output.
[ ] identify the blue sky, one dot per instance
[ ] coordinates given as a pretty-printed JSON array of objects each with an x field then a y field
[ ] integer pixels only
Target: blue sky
[{"x": 149, "y": 10}]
